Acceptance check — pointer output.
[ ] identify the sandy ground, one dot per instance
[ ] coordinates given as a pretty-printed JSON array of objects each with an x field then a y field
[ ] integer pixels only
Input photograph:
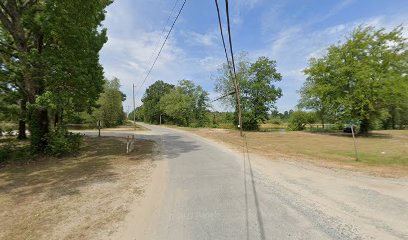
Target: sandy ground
[{"x": 81, "y": 197}]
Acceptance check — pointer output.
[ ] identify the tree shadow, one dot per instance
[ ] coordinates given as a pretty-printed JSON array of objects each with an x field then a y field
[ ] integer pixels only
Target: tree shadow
[
  {"x": 176, "y": 146},
  {"x": 349, "y": 135},
  {"x": 55, "y": 178},
  {"x": 259, "y": 219},
  {"x": 169, "y": 145}
]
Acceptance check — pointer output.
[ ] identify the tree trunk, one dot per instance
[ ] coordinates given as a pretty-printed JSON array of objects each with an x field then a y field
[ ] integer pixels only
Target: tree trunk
[
  {"x": 62, "y": 116},
  {"x": 56, "y": 119},
  {"x": 393, "y": 118},
  {"x": 364, "y": 127},
  {"x": 22, "y": 120},
  {"x": 39, "y": 124}
]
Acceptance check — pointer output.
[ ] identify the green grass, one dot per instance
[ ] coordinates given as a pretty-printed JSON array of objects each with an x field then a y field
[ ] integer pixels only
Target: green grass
[{"x": 12, "y": 150}]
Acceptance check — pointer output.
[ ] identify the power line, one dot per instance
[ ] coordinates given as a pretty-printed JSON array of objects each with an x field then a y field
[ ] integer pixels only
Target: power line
[
  {"x": 163, "y": 30},
  {"x": 221, "y": 97},
  {"x": 235, "y": 74},
  {"x": 222, "y": 36},
  {"x": 164, "y": 43},
  {"x": 229, "y": 36}
]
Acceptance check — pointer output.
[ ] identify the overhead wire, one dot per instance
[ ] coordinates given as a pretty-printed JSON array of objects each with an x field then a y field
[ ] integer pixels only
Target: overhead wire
[
  {"x": 222, "y": 36},
  {"x": 229, "y": 37},
  {"x": 157, "y": 45},
  {"x": 221, "y": 97},
  {"x": 161, "y": 49}
]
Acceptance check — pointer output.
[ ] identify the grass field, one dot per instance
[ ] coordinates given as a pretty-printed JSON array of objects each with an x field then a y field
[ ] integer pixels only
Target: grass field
[
  {"x": 383, "y": 152},
  {"x": 78, "y": 197}
]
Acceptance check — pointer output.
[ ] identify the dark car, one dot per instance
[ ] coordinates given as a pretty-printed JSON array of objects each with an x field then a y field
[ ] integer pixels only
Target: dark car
[{"x": 348, "y": 129}]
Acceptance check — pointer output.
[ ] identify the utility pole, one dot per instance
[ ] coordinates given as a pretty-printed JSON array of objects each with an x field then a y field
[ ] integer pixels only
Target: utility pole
[
  {"x": 238, "y": 105},
  {"x": 127, "y": 112},
  {"x": 134, "y": 105}
]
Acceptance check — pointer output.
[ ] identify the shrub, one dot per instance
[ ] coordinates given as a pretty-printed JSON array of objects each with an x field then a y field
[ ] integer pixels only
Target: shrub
[
  {"x": 299, "y": 119},
  {"x": 276, "y": 121},
  {"x": 5, "y": 154},
  {"x": 61, "y": 142}
]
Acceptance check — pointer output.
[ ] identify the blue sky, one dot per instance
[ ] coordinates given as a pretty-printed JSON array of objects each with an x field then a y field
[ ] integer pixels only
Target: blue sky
[{"x": 288, "y": 31}]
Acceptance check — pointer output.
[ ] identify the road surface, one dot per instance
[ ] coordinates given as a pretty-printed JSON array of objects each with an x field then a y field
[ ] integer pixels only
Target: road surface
[{"x": 206, "y": 191}]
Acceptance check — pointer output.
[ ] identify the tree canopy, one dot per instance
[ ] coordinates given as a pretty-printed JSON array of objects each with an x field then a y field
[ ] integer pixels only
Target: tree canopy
[
  {"x": 151, "y": 100},
  {"x": 257, "y": 90},
  {"x": 186, "y": 103},
  {"x": 49, "y": 53},
  {"x": 363, "y": 80},
  {"x": 110, "y": 107}
]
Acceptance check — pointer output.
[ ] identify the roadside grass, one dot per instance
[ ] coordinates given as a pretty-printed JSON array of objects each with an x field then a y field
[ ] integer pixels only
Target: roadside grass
[
  {"x": 77, "y": 197},
  {"x": 12, "y": 149},
  {"x": 8, "y": 125},
  {"x": 383, "y": 152}
]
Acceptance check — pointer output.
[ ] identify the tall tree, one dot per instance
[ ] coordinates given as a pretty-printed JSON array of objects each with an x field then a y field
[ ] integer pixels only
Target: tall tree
[
  {"x": 259, "y": 93},
  {"x": 151, "y": 100},
  {"x": 110, "y": 109},
  {"x": 177, "y": 105},
  {"x": 257, "y": 89},
  {"x": 185, "y": 104},
  {"x": 54, "y": 47},
  {"x": 201, "y": 107},
  {"x": 358, "y": 79}
]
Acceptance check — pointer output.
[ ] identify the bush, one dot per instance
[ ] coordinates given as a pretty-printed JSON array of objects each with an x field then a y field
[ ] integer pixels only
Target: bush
[
  {"x": 12, "y": 149},
  {"x": 61, "y": 142},
  {"x": 339, "y": 126},
  {"x": 5, "y": 154},
  {"x": 276, "y": 121},
  {"x": 299, "y": 119}
]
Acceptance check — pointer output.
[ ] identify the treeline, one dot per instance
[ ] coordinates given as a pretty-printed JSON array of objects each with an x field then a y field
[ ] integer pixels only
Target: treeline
[
  {"x": 49, "y": 66},
  {"x": 188, "y": 105},
  {"x": 363, "y": 81},
  {"x": 185, "y": 104}
]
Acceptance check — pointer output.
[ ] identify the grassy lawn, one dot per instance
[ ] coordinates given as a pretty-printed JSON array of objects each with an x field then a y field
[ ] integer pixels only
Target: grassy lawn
[
  {"x": 384, "y": 152},
  {"x": 77, "y": 197}
]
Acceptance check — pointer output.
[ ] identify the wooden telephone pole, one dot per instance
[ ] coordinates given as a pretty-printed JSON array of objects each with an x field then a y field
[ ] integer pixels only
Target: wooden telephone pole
[
  {"x": 238, "y": 105},
  {"x": 134, "y": 104}
]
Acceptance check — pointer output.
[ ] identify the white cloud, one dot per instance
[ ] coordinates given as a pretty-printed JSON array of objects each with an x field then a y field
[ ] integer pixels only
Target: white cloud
[
  {"x": 295, "y": 45},
  {"x": 241, "y": 6},
  {"x": 207, "y": 39},
  {"x": 211, "y": 64}
]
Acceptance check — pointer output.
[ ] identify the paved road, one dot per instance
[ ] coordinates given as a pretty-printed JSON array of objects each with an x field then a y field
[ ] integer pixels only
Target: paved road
[{"x": 208, "y": 196}]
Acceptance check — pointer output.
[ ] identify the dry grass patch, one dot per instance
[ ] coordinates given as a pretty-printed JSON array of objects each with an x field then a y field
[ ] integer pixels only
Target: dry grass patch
[
  {"x": 383, "y": 153},
  {"x": 79, "y": 197}
]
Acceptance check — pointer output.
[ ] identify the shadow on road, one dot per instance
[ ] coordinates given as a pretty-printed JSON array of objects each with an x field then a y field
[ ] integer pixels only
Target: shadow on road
[{"x": 254, "y": 192}]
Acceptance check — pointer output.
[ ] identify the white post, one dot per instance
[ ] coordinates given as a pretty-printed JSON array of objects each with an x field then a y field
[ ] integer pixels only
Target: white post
[{"x": 355, "y": 143}]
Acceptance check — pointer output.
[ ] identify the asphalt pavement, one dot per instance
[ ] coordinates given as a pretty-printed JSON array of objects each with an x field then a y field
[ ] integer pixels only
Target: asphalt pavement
[{"x": 212, "y": 192}]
